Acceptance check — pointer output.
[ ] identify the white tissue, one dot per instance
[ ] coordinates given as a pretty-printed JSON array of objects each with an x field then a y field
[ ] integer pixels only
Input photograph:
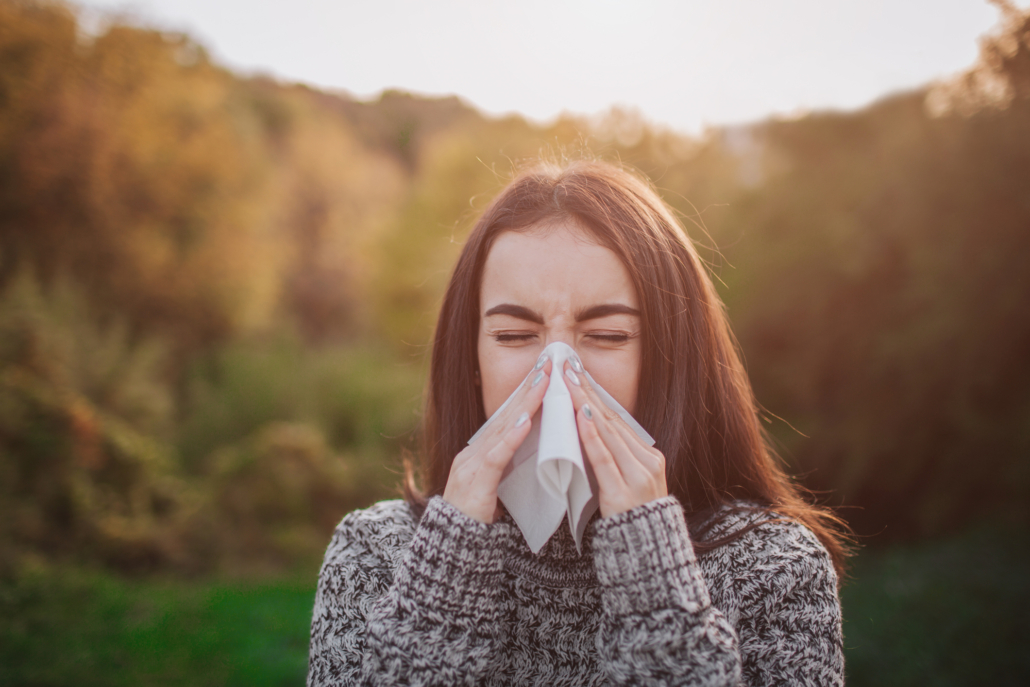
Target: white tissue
[{"x": 548, "y": 477}]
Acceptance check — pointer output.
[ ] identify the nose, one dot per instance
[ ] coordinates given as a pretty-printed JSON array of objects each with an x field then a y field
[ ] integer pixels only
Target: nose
[
  {"x": 573, "y": 358},
  {"x": 569, "y": 340},
  {"x": 566, "y": 338},
  {"x": 561, "y": 330}
]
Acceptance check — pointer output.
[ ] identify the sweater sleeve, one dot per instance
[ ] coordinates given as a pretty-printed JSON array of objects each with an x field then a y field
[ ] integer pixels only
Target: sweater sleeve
[
  {"x": 434, "y": 621},
  {"x": 658, "y": 626},
  {"x": 783, "y": 592},
  {"x": 780, "y": 618}
]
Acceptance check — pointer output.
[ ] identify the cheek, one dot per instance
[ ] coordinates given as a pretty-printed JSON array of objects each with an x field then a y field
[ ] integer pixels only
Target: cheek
[
  {"x": 618, "y": 375},
  {"x": 501, "y": 371}
]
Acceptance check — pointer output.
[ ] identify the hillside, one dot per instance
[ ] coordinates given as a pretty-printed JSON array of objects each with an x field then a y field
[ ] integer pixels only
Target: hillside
[{"x": 216, "y": 292}]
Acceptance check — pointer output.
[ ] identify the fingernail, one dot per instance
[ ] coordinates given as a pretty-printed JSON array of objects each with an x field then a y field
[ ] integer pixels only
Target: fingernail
[
  {"x": 540, "y": 362},
  {"x": 523, "y": 419},
  {"x": 589, "y": 413},
  {"x": 572, "y": 377},
  {"x": 536, "y": 380},
  {"x": 577, "y": 365}
]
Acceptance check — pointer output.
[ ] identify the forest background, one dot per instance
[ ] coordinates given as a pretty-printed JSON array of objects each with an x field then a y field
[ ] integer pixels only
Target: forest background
[{"x": 217, "y": 293}]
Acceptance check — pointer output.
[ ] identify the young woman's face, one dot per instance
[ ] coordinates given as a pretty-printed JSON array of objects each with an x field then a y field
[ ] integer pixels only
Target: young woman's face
[{"x": 556, "y": 283}]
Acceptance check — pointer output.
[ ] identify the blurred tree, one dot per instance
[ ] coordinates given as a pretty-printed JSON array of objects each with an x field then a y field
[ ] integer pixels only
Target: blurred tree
[
  {"x": 79, "y": 474},
  {"x": 331, "y": 197},
  {"x": 1000, "y": 76},
  {"x": 236, "y": 277},
  {"x": 885, "y": 307},
  {"x": 125, "y": 166}
]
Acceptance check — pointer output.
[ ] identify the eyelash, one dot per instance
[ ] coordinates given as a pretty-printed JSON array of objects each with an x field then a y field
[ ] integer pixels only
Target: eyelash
[{"x": 608, "y": 338}]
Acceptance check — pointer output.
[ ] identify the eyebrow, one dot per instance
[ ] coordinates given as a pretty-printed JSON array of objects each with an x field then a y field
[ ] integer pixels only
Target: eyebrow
[
  {"x": 592, "y": 313},
  {"x": 518, "y": 311},
  {"x": 596, "y": 311}
]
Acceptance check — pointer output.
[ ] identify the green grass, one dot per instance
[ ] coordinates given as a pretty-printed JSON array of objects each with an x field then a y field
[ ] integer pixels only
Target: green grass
[
  {"x": 944, "y": 613},
  {"x": 950, "y": 612},
  {"x": 91, "y": 629}
]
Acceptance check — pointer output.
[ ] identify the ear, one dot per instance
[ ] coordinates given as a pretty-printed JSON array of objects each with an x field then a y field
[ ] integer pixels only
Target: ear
[{"x": 478, "y": 381}]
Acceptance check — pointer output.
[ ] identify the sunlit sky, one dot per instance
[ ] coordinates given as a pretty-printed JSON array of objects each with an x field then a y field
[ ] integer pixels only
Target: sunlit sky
[{"x": 682, "y": 63}]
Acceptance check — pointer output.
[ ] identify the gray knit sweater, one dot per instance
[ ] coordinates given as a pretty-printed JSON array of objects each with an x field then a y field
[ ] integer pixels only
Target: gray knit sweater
[{"x": 451, "y": 601}]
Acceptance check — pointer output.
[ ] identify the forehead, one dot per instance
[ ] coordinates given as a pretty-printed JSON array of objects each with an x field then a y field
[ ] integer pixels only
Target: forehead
[{"x": 559, "y": 263}]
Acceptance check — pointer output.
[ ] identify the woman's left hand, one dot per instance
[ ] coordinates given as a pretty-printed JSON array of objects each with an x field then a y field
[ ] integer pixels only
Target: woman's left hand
[{"x": 629, "y": 472}]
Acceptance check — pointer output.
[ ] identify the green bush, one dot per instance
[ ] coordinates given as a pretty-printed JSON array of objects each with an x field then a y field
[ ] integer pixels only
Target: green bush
[
  {"x": 363, "y": 398},
  {"x": 83, "y": 472},
  {"x": 279, "y": 440},
  {"x": 946, "y": 613}
]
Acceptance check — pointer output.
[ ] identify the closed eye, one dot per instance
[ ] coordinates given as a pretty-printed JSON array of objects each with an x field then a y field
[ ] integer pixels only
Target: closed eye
[
  {"x": 610, "y": 338},
  {"x": 513, "y": 338}
]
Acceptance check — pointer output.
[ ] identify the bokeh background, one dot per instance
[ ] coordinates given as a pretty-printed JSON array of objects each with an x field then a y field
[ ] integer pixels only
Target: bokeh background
[{"x": 217, "y": 289}]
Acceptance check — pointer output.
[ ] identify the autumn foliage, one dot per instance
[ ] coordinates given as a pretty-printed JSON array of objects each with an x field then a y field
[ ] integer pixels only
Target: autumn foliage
[{"x": 216, "y": 292}]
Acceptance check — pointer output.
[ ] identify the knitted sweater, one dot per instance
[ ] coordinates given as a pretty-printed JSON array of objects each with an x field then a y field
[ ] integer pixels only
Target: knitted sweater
[{"x": 449, "y": 600}]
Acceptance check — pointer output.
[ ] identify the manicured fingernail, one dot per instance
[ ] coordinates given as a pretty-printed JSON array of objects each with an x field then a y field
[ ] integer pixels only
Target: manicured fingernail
[
  {"x": 572, "y": 377},
  {"x": 536, "y": 380},
  {"x": 589, "y": 413},
  {"x": 523, "y": 419},
  {"x": 540, "y": 362},
  {"x": 577, "y": 365}
]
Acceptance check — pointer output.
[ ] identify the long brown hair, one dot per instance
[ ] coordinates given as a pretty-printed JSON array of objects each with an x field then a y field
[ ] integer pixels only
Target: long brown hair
[{"x": 694, "y": 395}]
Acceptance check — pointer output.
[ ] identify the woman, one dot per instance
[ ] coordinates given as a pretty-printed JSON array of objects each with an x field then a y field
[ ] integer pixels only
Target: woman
[{"x": 703, "y": 565}]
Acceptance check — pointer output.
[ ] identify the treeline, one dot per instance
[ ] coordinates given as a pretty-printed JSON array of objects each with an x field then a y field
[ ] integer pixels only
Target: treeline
[{"x": 216, "y": 293}]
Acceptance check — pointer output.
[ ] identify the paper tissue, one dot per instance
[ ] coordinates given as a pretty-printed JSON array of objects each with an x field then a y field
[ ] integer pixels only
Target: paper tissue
[{"x": 549, "y": 478}]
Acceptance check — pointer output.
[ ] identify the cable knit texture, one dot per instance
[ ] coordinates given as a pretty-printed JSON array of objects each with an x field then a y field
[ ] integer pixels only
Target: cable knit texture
[{"x": 451, "y": 601}]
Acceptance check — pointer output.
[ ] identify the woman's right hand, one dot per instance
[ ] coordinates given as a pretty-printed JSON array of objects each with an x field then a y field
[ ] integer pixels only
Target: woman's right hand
[{"x": 476, "y": 471}]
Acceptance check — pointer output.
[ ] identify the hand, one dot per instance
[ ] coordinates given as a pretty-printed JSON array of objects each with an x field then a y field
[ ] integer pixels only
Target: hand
[
  {"x": 476, "y": 471},
  {"x": 629, "y": 472}
]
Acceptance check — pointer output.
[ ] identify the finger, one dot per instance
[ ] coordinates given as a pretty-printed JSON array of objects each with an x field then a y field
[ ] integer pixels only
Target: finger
[
  {"x": 526, "y": 403},
  {"x": 644, "y": 467},
  {"x": 611, "y": 422},
  {"x": 589, "y": 394},
  {"x": 650, "y": 457},
  {"x": 464, "y": 456},
  {"x": 576, "y": 383},
  {"x": 472, "y": 485},
  {"x": 633, "y": 472},
  {"x": 496, "y": 457},
  {"x": 500, "y": 454},
  {"x": 527, "y": 398},
  {"x": 530, "y": 397},
  {"x": 609, "y": 477},
  {"x": 536, "y": 388},
  {"x": 602, "y": 416},
  {"x": 605, "y": 419}
]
